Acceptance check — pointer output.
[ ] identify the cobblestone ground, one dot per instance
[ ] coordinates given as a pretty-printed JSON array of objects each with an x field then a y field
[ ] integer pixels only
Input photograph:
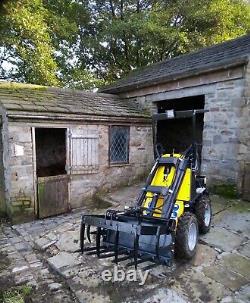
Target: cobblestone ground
[{"x": 44, "y": 255}]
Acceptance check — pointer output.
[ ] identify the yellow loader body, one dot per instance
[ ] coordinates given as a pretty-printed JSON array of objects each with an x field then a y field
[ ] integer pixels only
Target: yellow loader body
[{"x": 165, "y": 178}]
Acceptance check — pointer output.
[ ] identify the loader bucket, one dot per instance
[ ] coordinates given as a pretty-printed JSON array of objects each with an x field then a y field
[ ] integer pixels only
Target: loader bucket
[{"x": 141, "y": 239}]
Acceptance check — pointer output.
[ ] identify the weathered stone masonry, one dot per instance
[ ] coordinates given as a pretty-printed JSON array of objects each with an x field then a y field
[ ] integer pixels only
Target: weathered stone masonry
[
  {"x": 223, "y": 148},
  {"x": 18, "y": 186},
  {"x": 221, "y": 75},
  {"x": 20, "y": 189}
]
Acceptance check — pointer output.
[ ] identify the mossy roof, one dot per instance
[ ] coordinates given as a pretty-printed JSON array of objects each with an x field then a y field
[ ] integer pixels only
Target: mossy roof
[
  {"x": 230, "y": 53},
  {"x": 28, "y": 98}
]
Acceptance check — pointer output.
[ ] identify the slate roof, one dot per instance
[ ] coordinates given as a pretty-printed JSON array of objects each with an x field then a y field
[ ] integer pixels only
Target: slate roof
[
  {"x": 229, "y": 53},
  {"x": 34, "y": 99}
]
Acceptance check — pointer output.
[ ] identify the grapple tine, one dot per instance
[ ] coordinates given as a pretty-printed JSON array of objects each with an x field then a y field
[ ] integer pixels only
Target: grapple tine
[
  {"x": 142, "y": 260},
  {"x": 157, "y": 243},
  {"x": 116, "y": 246},
  {"x": 136, "y": 246},
  {"x": 124, "y": 258},
  {"x": 98, "y": 241},
  {"x": 88, "y": 233},
  {"x": 102, "y": 250},
  {"x": 82, "y": 232}
]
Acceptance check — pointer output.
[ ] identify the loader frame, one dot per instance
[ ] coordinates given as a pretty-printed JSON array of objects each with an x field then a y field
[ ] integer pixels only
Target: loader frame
[{"x": 136, "y": 232}]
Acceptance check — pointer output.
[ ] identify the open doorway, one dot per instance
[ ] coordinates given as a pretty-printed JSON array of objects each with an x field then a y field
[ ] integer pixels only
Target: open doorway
[
  {"x": 50, "y": 151},
  {"x": 177, "y": 134},
  {"x": 52, "y": 179}
]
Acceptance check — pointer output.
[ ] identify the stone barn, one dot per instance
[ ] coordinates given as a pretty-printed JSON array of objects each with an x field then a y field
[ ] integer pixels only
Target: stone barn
[
  {"x": 59, "y": 147},
  {"x": 216, "y": 78}
]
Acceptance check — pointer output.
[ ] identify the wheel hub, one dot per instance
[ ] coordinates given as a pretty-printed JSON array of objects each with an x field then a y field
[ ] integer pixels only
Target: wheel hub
[
  {"x": 207, "y": 215},
  {"x": 192, "y": 236}
]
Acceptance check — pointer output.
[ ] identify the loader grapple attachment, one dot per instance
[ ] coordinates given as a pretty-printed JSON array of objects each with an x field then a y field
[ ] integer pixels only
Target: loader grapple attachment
[{"x": 140, "y": 239}]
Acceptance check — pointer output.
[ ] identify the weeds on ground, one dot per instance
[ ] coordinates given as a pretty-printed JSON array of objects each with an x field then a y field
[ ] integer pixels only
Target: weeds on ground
[{"x": 15, "y": 294}]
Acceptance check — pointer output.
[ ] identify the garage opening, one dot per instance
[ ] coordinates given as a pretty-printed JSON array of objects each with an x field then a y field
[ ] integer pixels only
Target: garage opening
[
  {"x": 50, "y": 151},
  {"x": 176, "y": 135}
]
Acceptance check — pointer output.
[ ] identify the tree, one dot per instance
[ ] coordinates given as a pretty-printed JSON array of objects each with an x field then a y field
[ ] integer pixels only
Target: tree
[
  {"x": 126, "y": 35},
  {"x": 38, "y": 41},
  {"x": 84, "y": 44},
  {"x": 26, "y": 43}
]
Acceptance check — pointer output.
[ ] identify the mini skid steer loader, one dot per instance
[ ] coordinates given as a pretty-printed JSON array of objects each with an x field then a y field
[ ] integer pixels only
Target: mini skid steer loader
[{"x": 171, "y": 209}]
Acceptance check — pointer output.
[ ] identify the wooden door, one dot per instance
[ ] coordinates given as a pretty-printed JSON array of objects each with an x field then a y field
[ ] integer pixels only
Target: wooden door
[{"x": 52, "y": 195}]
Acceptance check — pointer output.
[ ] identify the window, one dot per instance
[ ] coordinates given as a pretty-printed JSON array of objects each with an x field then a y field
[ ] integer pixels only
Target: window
[
  {"x": 84, "y": 152},
  {"x": 119, "y": 144}
]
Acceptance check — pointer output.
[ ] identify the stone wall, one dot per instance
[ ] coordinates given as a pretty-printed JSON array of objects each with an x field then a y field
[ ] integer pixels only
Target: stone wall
[
  {"x": 226, "y": 125},
  {"x": 110, "y": 176},
  {"x": 221, "y": 134},
  {"x": 19, "y": 181},
  {"x": 2, "y": 195},
  {"x": 244, "y": 151},
  {"x": 19, "y": 166}
]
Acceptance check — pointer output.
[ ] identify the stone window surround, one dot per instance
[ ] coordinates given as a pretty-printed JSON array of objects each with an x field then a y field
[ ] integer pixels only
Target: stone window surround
[{"x": 119, "y": 163}]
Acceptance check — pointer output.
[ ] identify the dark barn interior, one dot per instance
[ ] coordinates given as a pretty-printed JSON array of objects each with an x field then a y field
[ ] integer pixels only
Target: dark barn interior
[
  {"x": 50, "y": 151},
  {"x": 177, "y": 134}
]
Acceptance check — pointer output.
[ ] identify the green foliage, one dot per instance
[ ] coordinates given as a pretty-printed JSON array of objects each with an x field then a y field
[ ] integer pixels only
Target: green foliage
[
  {"x": 85, "y": 44},
  {"x": 38, "y": 40},
  {"x": 131, "y": 34},
  {"x": 15, "y": 295},
  {"x": 27, "y": 43}
]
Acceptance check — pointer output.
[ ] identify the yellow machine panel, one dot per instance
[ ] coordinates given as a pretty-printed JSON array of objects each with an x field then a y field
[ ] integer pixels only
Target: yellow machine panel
[{"x": 164, "y": 177}]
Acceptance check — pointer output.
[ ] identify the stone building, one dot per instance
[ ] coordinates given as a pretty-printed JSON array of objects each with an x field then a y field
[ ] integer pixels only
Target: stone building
[
  {"x": 59, "y": 147},
  {"x": 216, "y": 78}
]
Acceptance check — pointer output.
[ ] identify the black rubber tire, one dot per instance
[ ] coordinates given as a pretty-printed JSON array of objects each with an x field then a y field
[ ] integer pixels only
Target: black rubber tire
[
  {"x": 200, "y": 209},
  {"x": 182, "y": 249}
]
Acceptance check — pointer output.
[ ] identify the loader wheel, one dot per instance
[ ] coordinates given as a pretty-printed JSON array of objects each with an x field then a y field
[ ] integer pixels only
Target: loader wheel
[
  {"x": 186, "y": 236},
  {"x": 203, "y": 211}
]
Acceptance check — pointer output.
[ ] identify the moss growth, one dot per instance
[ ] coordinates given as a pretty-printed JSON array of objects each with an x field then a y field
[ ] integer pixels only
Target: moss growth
[
  {"x": 240, "y": 206},
  {"x": 225, "y": 190},
  {"x": 15, "y": 295},
  {"x": 3, "y": 214},
  {"x": 4, "y": 261},
  {"x": 99, "y": 203},
  {"x": 17, "y": 86}
]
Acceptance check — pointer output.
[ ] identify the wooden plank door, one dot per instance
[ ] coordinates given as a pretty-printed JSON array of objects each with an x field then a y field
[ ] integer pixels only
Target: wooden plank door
[{"x": 52, "y": 195}]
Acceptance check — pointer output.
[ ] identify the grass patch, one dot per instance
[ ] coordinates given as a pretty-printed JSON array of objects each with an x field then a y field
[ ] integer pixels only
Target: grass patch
[
  {"x": 225, "y": 190},
  {"x": 240, "y": 206},
  {"x": 15, "y": 294}
]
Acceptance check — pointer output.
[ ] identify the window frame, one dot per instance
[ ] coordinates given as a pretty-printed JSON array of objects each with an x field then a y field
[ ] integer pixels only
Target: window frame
[{"x": 120, "y": 163}]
